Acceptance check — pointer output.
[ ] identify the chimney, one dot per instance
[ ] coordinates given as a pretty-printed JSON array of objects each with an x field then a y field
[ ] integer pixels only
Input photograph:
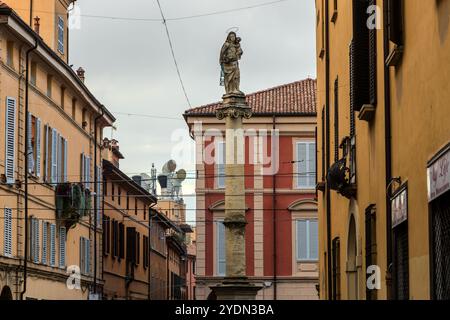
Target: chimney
[
  {"x": 80, "y": 73},
  {"x": 37, "y": 24}
]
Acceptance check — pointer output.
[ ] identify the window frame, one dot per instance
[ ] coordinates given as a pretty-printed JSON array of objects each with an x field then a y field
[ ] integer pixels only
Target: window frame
[
  {"x": 308, "y": 257},
  {"x": 309, "y": 176},
  {"x": 60, "y": 34}
]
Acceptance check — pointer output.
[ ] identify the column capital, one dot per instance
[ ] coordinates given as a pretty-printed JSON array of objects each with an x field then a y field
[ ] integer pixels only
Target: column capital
[{"x": 234, "y": 106}]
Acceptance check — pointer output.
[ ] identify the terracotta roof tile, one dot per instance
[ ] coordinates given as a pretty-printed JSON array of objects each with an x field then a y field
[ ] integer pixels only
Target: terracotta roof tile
[{"x": 294, "y": 98}]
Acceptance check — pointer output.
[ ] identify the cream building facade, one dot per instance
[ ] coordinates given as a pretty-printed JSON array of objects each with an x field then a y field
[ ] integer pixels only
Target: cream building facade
[{"x": 64, "y": 119}]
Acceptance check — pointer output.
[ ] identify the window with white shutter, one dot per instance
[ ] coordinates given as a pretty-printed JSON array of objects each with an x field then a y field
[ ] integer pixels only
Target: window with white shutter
[
  {"x": 87, "y": 168},
  {"x": 65, "y": 178},
  {"x": 307, "y": 240},
  {"x": 99, "y": 194},
  {"x": 85, "y": 255},
  {"x": 306, "y": 165},
  {"x": 44, "y": 242},
  {"x": 59, "y": 168},
  {"x": 220, "y": 249},
  {"x": 54, "y": 157},
  {"x": 38, "y": 148},
  {"x": 82, "y": 254},
  {"x": 8, "y": 232},
  {"x": 220, "y": 161},
  {"x": 47, "y": 163},
  {"x": 52, "y": 245},
  {"x": 10, "y": 133},
  {"x": 62, "y": 247},
  {"x": 30, "y": 151},
  {"x": 36, "y": 240},
  {"x": 61, "y": 34}
]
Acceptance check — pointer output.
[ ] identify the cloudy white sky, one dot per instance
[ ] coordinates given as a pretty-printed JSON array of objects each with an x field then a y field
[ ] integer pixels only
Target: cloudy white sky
[{"x": 130, "y": 69}]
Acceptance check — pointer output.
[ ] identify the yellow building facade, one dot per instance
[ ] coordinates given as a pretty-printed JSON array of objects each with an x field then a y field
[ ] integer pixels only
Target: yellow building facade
[
  {"x": 47, "y": 251},
  {"x": 383, "y": 141}
]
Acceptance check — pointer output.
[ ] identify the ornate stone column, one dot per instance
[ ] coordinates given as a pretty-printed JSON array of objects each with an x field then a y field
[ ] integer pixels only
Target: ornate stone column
[{"x": 235, "y": 285}]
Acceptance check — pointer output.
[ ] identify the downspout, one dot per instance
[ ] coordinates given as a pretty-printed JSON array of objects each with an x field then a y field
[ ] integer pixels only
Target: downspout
[
  {"x": 327, "y": 105},
  {"x": 96, "y": 199},
  {"x": 388, "y": 149},
  {"x": 27, "y": 129},
  {"x": 274, "y": 203}
]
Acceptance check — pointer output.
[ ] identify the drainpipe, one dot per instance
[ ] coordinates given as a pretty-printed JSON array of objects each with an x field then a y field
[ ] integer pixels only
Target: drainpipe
[
  {"x": 97, "y": 191},
  {"x": 388, "y": 148},
  {"x": 27, "y": 129},
  {"x": 327, "y": 106},
  {"x": 274, "y": 203}
]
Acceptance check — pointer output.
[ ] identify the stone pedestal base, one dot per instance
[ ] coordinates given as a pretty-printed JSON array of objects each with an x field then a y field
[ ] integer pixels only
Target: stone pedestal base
[{"x": 236, "y": 289}]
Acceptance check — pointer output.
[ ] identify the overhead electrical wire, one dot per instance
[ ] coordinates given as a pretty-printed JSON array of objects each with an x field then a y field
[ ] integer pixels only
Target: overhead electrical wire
[
  {"x": 201, "y": 15},
  {"x": 173, "y": 54},
  {"x": 279, "y": 175}
]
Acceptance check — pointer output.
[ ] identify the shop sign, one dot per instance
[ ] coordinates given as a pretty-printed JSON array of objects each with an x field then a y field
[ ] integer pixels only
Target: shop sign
[
  {"x": 399, "y": 205},
  {"x": 438, "y": 175}
]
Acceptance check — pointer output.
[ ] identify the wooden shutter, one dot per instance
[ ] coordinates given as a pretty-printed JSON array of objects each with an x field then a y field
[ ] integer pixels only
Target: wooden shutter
[
  {"x": 131, "y": 245},
  {"x": 87, "y": 256},
  {"x": 36, "y": 240},
  {"x": 396, "y": 21},
  {"x": 61, "y": 35},
  {"x": 38, "y": 147},
  {"x": 114, "y": 238},
  {"x": 10, "y": 139},
  {"x": 64, "y": 171},
  {"x": 87, "y": 168},
  {"x": 54, "y": 160},
  {"x": 82, "y": 255},
  {"x": 336, "y": 120},
  {"x": 99, "y": 195},
  {"x": 52, "y": 244},
  {"x": 220, "y": 249},
  {"x": 59, "y": 174},
  {"x": 47, "y": 163},
  {"x": 44, "y": 242},
  {"x": 138, "y": 248},
  {"x": 30, "y": 152},
  {"x": 302, "y": 240},
  {"x": 313, "y": 240},
  {"x": 83, "y": 170},
  {"x": 121, "y": 241},
  {"x": 62, "y": 247},
  {"x": 311, "y": 165},
  {"x": 359, "y": 56},
  {"x": 8, "y": 232},
  {"x": 373, "y": 62}
]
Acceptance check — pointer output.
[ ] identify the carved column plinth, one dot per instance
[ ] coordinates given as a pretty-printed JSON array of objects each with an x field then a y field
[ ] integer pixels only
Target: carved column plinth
[{"x": 235, "y": 286}]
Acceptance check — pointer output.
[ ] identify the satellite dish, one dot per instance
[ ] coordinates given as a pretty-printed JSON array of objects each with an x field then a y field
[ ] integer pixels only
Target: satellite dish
[
  {"x": 146, "y": 181},
  {"x": 169, "y": 167},
  {"x": 181, "y": 175}
]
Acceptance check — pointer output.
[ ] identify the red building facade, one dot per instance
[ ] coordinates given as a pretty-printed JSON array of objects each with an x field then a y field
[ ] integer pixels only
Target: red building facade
[{"x": 280, "y": 180}]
